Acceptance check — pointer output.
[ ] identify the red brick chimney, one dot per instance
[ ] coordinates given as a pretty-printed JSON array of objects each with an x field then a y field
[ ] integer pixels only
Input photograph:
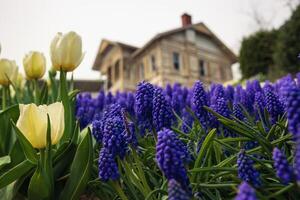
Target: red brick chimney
[{"x": 186, "y": 19}]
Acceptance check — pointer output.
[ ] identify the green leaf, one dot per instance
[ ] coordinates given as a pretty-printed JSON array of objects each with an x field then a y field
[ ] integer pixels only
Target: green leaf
[
  {"x": 43, "y": 99},
  {"x": 215, "y": 169},
  {"x": 63, "y": 96},
  {"x": 7, "y": 192},
  {"x": 15, "y": 173},
  {"x": 7, "y": 138},
  {"x": 4, "y": 161},
  {"x": 28, "y": 149},
  {"x": 39, "y": 186},
  {"x": 204, "y": 148},
  {"x": 80, "y": 170}
]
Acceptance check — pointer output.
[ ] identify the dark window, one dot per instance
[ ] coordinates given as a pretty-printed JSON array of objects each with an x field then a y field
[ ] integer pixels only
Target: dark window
[
  {"x": 109, "y": 82},
  {"x": 153, "y": 64},
  {"x": 142, "y": 71},
  {"x": 176, "y": 61},
  {"x": 202, "y": 67},
  {"x": 117, "y": 70}
]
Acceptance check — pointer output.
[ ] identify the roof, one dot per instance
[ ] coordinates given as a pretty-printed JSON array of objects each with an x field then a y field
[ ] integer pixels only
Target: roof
[
  {"x": 106, "y": 45},
  {"x": 199, "y": 27}
]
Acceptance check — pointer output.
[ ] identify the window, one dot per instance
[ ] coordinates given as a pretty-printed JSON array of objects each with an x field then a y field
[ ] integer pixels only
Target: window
[
  {"x": 176, "y": 61},
  {"x": 202, "y": 67},
  {"x": 142, "y": 71},
  {"x": 153, "y": 64},
  {"x": 117, "y": 70}
]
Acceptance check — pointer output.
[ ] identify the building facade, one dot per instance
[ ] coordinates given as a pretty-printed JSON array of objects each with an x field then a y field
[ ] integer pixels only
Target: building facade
[{"x": 183, "y": 55}]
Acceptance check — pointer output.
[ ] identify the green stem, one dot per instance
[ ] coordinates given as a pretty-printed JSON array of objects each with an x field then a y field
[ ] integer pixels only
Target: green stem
[
  {"x": 36, "y": 91},
  {"x": 63, "y": 96},
  {"x": 4, "y": 97},
  {"x": 141, "y": 172},
  {"x": 120, "y": 192}
]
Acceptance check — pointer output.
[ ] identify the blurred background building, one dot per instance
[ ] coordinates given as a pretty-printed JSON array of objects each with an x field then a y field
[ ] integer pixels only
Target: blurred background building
[{"x": 183, "y": 55}]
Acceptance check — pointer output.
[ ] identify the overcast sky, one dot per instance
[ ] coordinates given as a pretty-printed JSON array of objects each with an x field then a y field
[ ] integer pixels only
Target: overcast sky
[{"x": 27, "y": 25}]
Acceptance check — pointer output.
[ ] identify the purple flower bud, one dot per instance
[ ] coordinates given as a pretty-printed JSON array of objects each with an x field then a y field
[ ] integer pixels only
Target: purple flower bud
[
  {"x": 176, "y": 192},
  {"x": 293, "y": 110},
  {"x": 283, "y": 169},
  {"x": 108, "y": 168},
  {"x": 246, "y": 170},
  {"x": 162, "y": 111},
  {"x": 113, "y": 137},
  {"x": 199, "y": 100},
  {"x": 171, "y": 155},
  {"x": 245, "y": 192},
  {"x": 274, "y": 106},
  {"x": 143, "y": 106}
]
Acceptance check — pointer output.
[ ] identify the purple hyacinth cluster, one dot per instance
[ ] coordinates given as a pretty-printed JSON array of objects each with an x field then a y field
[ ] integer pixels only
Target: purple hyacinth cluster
[
  {"x": 143, "y": 106},
  {"x": 246, "y": 170},
  {"x": 273, "y": 104},
  {"x": 115, "y": 134},
  {"x": 283, "y": 169},
  {"x": 176, "y": 191},
  {"x": 154, "y": 107},
  {"x": 108, "y": 168},
  {"x": 171, "y": 157},
  {"x": 199, "y": 100},
  {"x": 245, "y": 192},
  {"x": 85, "y": 109},
  {"x": 162, "y": 111},
  {"x": 293, "y": 110}
]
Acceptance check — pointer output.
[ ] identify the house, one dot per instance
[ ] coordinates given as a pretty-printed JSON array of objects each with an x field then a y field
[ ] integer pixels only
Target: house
[{"x": 185, "y": 54}]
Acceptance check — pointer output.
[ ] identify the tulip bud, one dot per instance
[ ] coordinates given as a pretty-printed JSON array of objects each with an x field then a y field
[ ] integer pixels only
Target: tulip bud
[
  {"x": 32, "y": 123},
  {"x": 66, "y": 51},
  {"x": 20, "y": 81},
  {"x": 34, "y": 65},
  {"x": 8, "y": 72}
]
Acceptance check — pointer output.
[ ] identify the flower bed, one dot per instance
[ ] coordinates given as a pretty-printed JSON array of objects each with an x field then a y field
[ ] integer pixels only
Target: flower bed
[{"x": 176, "y": 143}]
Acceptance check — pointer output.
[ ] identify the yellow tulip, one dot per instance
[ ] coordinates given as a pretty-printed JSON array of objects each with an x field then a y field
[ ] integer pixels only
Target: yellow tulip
[
  {"x": 66, "y": 51},
  {"x": 34, "y": 65},
  {"x": 8, "y": 72},
  {"x": 32, "y": 123}
]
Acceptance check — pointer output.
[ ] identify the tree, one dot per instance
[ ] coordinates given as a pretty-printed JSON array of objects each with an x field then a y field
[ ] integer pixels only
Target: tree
[
  {"x": 288, "y": 44},
  {"x": 256, "y": 53}
]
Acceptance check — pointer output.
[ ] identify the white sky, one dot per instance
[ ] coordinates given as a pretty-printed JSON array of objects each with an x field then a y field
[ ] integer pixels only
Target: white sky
[{"x": 27, "y": 25}]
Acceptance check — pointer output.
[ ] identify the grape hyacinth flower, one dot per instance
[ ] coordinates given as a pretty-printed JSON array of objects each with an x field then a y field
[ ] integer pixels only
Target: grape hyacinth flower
[
  {"x": 84, "y": 109},
  {"x": 245, "y": 192},
  {"x": 221, "y": 107},
  {"x": 176, "y": 192},
  {"x": 238, "y": 111},
  {"x": 162, "y": 111},
  {"x": 217, "y": 92},
  {"x": 96, "y": 130},
  {"x": 187, "y": 121},
  {"x": 246, "y": 170},
  {"x": 171, "y": 156},
  {"x": 283, "y": 169},
  {"x": 293, "y": 111},
  {"x": 143, "y": 106},
  {"x": 229, "y": 93},
  {"x": 113, "y": 137},
  {"x": 199, "y": 100},
  {"x": 109, "y": 99},
  {"x": 108, "y": 168},
  {"x": 274, "y": 106},
  {"x": 259, "y": 102}
]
